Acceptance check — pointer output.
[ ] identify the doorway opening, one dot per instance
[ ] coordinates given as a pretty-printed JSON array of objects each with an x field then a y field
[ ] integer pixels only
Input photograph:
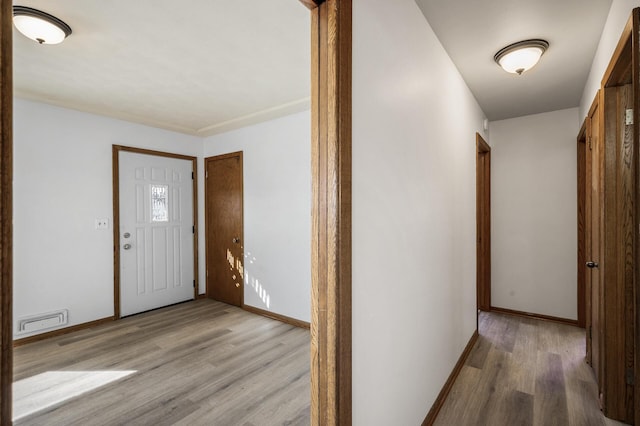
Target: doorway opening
[{"x": 331, "y": 253}]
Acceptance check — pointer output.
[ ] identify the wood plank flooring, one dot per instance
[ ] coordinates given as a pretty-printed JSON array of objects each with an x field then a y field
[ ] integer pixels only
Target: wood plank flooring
[
  {"x": 197, "y": 363},
  {"x": 524, "y": 372}
]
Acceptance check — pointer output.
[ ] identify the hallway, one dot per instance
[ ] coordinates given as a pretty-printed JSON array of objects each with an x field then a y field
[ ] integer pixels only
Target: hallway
[{"x": 524, "y": 372}]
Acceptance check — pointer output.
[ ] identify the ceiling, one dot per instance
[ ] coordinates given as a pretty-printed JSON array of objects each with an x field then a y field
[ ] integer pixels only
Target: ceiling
[
  {"x": 223, "y": 64},
  {"x": 473, "y": 31},
  {"x": 199, "y": 67}
]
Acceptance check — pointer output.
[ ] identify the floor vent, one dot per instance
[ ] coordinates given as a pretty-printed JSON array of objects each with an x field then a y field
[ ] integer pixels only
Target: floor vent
[{"x": 43, "y": 321}]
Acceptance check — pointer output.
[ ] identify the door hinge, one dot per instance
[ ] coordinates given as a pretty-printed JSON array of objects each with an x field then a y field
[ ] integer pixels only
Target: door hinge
[
  {"x": 628, "y": 117},
  {"x": 194, "y": 283},
  {"x": 192, "y": 176},
  {"x": 193, "y": 229},
  {"x": 206, "y": 174},
  {"x": 629, "y": 377},
  {"x": 590, "y": 145}
]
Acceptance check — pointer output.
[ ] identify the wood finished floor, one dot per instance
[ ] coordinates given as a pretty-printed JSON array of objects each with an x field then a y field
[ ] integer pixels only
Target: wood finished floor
[
  {"x": 197, "y": 363},
  {"x": 524, "y": 372}
]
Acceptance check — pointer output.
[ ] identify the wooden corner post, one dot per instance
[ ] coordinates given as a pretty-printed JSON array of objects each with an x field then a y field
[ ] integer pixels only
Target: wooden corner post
[{"x": 331, "y": 217}]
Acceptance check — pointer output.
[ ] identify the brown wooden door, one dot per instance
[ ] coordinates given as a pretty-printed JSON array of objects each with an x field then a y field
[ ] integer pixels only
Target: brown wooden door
[
  {"x": 618, "y": 238},
  {"x": 483, "y": 223},
  {"x": 593, "y": 227},
  {"x": 224, "y": 227}
]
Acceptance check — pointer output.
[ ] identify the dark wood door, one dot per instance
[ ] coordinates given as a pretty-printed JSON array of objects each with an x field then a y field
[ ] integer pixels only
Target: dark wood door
[
  {"x": 618, "y": 239},
  {"x": 483, "y": 223},
  {"x": 224, "y": 227},
  {"x": 593, "y": 227}
]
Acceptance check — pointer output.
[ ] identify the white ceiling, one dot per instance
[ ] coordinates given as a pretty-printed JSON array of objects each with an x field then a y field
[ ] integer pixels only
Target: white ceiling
[
  {"x": 472, "y": 31},
  {"x": 198, "y": 67},
  {"x": 207, "y": 66}
]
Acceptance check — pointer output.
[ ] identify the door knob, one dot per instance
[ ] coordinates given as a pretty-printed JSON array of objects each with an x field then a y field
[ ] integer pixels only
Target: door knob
[
  {"x": 127, "y": 246},
  {"x": 236, "y": 240},
  {"x": 592, "y": 264}
]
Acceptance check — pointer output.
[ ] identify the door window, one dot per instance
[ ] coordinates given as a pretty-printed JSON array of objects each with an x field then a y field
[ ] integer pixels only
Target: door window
[{"x": 159, "y": 203}]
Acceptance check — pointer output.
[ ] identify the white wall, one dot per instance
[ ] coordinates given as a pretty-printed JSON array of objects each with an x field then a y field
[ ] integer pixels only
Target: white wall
[
  {"x": 277, "y": 212},
  {"x": 414, "y": 277},
  {"x": 618, "y": 16},
  {"x": 62, "y": 183},
  {"x": 533, "y": 213}
]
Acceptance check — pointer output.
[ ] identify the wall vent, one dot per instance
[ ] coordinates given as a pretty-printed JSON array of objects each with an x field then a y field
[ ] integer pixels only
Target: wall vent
[{"x": 46, "y": 321}]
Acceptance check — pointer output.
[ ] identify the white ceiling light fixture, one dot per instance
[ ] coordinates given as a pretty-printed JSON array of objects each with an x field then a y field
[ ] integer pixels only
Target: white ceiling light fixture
[
  {"x": 521, "y": 56},
  {"x": 39, "y": 25}
]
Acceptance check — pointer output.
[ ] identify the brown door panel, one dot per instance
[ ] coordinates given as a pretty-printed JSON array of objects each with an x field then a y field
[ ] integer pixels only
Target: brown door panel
[{"x": 224, "y": 227}]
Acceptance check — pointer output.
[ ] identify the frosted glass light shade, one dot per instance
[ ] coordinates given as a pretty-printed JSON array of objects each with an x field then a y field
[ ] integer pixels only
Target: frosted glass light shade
[
  {"x": 522, "y": 56},
  {"x": 40, "y": 26}
]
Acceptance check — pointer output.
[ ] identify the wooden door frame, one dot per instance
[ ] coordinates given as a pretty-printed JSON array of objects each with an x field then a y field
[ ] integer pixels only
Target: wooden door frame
[
  {"x": 581, "y": 152},
  {"x": 6, "y": 211},
  {"x": 635, "y": 66},
  {"x": 331, "y": 212},
  {"x": 116, "y": 150},
  {"x": 483, "y": 227},
  {"x": 206, "y": 215}
]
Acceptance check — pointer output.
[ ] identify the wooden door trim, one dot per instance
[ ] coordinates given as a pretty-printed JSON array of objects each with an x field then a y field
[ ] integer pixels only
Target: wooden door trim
[
  {"x": 610, "y": 73},
  {"x": 635, "y": 403},
  {"x": 483, "y": 289},
  {"x": 207, "y": 160},
  {"x": 6, "y": 211},
  {"x": 635, "y": 71},
  {"x": 116, "y": 149},
  {"x": 331, "y": 213},
  {"x": 581, "y": 147}
]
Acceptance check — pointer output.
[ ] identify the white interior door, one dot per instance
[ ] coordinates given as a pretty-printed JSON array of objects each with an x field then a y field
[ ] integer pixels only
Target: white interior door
[{"x": 156, "y": 234}]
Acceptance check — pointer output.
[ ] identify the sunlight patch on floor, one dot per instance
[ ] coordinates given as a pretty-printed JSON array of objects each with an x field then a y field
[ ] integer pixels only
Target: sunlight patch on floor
[{"x": 44, "y": 390}]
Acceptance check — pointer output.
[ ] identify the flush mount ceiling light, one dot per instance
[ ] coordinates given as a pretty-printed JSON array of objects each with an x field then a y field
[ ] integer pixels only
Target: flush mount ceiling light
[
  {"x": 521, "y": 56},
  {"x": 40, "y": 26}
]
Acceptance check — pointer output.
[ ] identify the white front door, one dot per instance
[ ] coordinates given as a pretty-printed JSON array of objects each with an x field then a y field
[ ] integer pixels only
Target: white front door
[{"x": 156, "y": 234}]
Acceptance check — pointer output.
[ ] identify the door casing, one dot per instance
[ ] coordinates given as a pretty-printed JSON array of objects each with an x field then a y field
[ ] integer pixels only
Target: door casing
[
  {"x": 581, "y": 178},
  {"x": 6, "y": 211}
]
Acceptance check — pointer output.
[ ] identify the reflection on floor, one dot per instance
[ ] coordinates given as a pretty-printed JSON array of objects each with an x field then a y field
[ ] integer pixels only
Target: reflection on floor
[
  {"x": 524, "y": 372},
  {"x": 196, "y": 363}
]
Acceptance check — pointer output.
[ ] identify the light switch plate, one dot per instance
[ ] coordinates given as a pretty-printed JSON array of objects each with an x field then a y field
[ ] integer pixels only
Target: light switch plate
[{"x": 102, "y": 224}]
